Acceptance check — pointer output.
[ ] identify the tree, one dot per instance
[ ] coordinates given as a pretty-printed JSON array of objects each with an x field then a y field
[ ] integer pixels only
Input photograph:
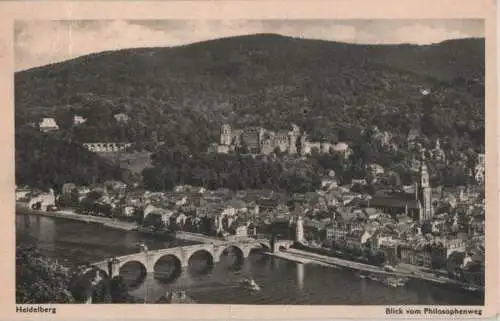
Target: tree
[
  {"x": 64, "y": 118},
  {"x": 119, "y": 291},
  {"x": 154, "y": 178},
  {"x": 101, "y": 292},
  {"x": 438, "y": 253},
  {"x": 426, "y": 228},
  {"x": 378, "y": 258},
  {"x": 39, "y": 279},
  {"x": 395, "y": 180}
]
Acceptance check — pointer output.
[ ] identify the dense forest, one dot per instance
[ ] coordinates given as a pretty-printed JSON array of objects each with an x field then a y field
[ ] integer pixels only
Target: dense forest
[
  {"x": 49, "y": 161},
  {"x": 181, "y": 95}
]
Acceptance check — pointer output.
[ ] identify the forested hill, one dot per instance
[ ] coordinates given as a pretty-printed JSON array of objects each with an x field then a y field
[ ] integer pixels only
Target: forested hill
[
  {"x": 331, "y": 89},
  {"x": 48, "y": 161}
]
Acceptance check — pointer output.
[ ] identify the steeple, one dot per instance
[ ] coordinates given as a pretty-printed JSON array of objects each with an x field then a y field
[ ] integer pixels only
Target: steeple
[
  {"x": 424, "y": 173},
  {"x": 425, "y": 191}
]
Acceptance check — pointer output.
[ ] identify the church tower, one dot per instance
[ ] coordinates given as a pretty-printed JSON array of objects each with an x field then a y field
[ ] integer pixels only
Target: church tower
[
  {"x": 225, "y": 135},
  {"x": 425, "y": 192}
]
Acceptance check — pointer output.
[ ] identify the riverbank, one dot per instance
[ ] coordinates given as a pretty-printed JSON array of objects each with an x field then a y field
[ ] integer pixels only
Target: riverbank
[
  {"x": 304, "y": 257},
  {"x": 71, "y": 215},
  {"x": 195, "y": 237},
  {"x": 298, "y": 259}
]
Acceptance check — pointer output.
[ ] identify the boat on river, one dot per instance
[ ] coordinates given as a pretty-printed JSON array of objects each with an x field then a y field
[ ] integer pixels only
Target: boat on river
[
  {"x": 394, "y": 282},
  {"x": 472, "y": 288},
  {"x": 391, "y": 282},
  {"x": 402, "y": 281},
  {"x": 249, "y": 284}
]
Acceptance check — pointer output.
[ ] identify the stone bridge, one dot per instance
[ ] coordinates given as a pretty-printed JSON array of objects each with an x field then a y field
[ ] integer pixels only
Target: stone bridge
[{"x": 182, "y": 254}]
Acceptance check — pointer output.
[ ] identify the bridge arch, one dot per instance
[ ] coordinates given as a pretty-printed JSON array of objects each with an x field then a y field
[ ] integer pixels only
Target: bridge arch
[
  {"x": 239, "y": 252},
  {"x": 265, "y": 246},
  {"x": 204, "y": 254},
  {"x": 167, "y": 267},
  {"x": 133, "y": 271}
]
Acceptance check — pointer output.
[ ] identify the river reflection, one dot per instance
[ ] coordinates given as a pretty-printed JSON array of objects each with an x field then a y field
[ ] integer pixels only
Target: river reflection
[
  {"x": 281, "y": 282},
  {"x": 300, "y": 276}
]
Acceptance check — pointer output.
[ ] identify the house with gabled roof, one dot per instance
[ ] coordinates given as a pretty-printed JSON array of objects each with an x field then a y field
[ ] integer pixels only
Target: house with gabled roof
[
  {"x": 22, "y": 192},
  {"x": 37, "y": 200},
  {"x": 48, "y": 125},
  {"x": 78, "y": 120}
]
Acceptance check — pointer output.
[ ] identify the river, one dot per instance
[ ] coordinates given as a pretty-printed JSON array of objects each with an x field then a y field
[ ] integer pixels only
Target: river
[{"x": 281, "y": 282}]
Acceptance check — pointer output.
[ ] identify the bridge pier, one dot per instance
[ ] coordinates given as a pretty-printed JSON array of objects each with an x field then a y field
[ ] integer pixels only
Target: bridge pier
[{"x": 113, "y": 268}]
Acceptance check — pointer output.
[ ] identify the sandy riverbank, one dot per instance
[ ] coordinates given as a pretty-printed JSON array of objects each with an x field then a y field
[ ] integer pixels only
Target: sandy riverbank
[{"x": 70, "y": 215}]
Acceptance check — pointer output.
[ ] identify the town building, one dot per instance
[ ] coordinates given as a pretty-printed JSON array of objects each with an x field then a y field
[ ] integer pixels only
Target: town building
[
  {"x": 345, "y": 222},
  {"x": 121, "y": 117},
  {"x": 48, "y": 125},
  {"x": 480, "y": 169},
  {"x": 375, "y": 169},
  {"x": 77, "y": 120},
  {"x": 22, "y": 193},
  {"x": 412, "y": 137},
  {"x": 452, "y": 244},
  {"x": 37, "y": 200},
  {"x": 418, "y": 253},
  {"x": 417, "y": 205},
  {"x": 343, "y": 149}
]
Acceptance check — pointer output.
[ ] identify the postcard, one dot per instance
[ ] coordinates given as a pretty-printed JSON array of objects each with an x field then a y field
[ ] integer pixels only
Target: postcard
[{"x": 249, "y": 159}]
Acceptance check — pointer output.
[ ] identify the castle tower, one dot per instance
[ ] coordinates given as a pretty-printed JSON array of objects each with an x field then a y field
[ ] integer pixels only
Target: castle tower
[
  {"x": 425, "y": 192},
  {"x": 267, "y": 147},
  {"x": 292, "y": 142},
  {"x": 262, "y": 133},
  {"x": 299, "y": 229},
  {"x": 304, "y": 145},
  {"x": 225, "y": 135}
]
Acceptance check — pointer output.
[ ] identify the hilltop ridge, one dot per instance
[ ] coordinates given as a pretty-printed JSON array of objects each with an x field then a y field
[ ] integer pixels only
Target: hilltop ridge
[
  {"x": 333, "y": 90},
  {"x": 227, "y": 77}
]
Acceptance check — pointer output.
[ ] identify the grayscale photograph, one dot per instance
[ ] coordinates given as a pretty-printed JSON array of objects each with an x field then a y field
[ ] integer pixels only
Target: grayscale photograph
[{"x": 255, "y": 162}]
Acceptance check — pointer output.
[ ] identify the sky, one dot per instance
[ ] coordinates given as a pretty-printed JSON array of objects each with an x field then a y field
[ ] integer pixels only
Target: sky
[{"x": 39, "y": 43}]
